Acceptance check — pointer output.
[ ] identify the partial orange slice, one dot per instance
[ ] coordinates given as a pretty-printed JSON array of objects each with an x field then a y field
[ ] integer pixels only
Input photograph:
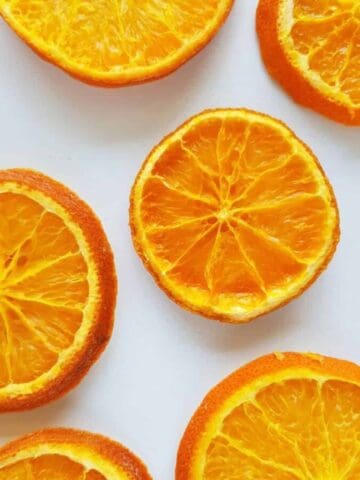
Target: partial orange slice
[
  {"x": 57, "y": 289},
  {"x": 64, "y": 454},
  {"x": 312, "y": 48},
  {"x": 113, "y": 42},
  {"x": 282, "y": 417},
  {"x": 232, "y": 215}
]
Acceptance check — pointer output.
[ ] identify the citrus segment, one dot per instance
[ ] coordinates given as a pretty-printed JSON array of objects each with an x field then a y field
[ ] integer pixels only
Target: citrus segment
[
  {"x": 62, "y": 454},
  {"x": 312, "y": 48},
  {"x": 233, "y": 215},
  {"x": 57, "y": 289},
  {"x": 276, "y": 265},
  {"x": 306, "y": 216},
  {"x": 227, "y": 268},
  {"x": 289, "y": 417},
  {"x": 117, "y": 42}
]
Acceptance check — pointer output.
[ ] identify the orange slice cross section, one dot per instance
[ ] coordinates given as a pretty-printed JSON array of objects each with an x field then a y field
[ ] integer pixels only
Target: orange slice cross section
[
  {"x": 64, "y": 454},
  {"x": 57, "y": 289},
  {"x": 312, "y": 47},
  {"x": 116, "y": 42},
  {"x": 285, "y": 417},
  {"x": 233, "y": 215}
]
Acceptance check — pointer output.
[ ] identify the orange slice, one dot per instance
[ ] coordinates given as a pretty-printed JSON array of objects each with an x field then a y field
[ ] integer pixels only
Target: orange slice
[
  {"x": 64, "y": 454},
  {"x": 109, "y": 43},
  {"x": 233, "y": 215},
  {"x": 282, "y": 417},
  {"x": 57, "y": 289},
  {"x": 312, "y": 48}
]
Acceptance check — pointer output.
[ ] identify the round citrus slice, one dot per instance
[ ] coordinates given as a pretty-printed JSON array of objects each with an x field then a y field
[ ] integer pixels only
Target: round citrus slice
[
  {"x": 110, "y": 43},
  {"x": 285, "y": 417},
  {"x": 57, "y": 289},
  {"x": 64, "y": 454},
  {"x": 233, "y": 215},
  {"x": 312, "y": 48}
]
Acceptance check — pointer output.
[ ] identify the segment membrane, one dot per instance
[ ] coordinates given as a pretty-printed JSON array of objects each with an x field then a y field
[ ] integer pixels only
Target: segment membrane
[{"x": 297, "y": 223}]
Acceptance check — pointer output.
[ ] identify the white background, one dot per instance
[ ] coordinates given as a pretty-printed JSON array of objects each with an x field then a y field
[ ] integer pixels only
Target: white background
[{"x": 162, "y": 360}]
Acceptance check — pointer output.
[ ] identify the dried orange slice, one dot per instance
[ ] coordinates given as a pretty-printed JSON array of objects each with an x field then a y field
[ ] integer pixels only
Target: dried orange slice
[
  {"x": 285, "y": 417},
  {"x": 65, "y": 454},
  {"x": 57, "y": 289},
  {"x": 116, "y": 42},
  {"x": 312, "y": 48},
  {"x": 233, "y": 215}
]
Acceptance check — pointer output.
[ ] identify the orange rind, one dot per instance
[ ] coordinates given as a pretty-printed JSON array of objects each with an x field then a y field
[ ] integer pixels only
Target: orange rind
[
  {"x": 312, "y": 48},
  {"x": 285, "y": 416},
  {"x": 57, "y": 289},
  {"x": 114, "y": 43},
  {"x": 66, "y": 454}
]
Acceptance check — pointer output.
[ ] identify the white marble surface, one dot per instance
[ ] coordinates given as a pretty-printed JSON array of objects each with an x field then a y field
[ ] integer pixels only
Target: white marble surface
[{"x": 162, "y": 360}]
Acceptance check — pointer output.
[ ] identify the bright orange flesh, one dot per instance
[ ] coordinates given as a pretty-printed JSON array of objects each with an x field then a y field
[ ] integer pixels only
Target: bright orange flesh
[
  {"x": 50, "y": 291},
  {"x": 312, "y": 47},
  {"x": 56, "y": 467},
  {"x": 61, "y": 454},
  {"x": 116, "y": 42},
  {"x": 288, "y": 418},
  {"x": 44, "y": 288},
  {"x": 232, "y": 215}
]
